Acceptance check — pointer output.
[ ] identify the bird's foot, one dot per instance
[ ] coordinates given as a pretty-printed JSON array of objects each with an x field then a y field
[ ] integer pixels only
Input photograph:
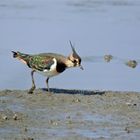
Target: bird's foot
[
  {"x": 49, "y": 92},
  {"x": 31, "y": 90}
]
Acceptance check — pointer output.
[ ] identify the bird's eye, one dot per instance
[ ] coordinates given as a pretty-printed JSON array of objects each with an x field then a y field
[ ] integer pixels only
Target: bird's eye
[{"x": 74, "y": 61}]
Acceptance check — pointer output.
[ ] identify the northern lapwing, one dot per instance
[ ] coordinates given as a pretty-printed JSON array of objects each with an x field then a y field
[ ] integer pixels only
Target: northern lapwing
[{"x": 48, "y": 64}]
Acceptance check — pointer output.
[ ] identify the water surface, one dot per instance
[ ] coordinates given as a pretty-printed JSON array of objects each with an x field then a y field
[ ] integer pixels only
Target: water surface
[{"x": 96, "y": 27}]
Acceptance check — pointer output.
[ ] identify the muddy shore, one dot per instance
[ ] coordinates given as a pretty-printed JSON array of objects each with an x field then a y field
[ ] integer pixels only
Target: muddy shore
[{"x": 69, "y": 115}]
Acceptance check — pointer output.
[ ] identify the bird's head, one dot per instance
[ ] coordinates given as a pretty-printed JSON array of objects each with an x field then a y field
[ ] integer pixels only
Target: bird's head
[{"x": 75, "y": 58}]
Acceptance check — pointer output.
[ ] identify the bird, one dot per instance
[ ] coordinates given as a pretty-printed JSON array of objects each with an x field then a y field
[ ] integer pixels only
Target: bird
[{"x": 48, "y": 64}]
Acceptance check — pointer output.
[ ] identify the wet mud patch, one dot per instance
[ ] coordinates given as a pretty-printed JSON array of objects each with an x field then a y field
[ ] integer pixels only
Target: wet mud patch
[{"x": 69, "y": 114}]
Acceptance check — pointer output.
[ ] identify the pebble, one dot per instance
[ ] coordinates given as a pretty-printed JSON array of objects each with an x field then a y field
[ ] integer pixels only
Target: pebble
[
  {"x": 128, "y": 130},
  {"x": 53, "y": 122},
  {"x": 131, "y": 104},
  {"x": 76, "y": 100},
  {"x": 108, "y": 58},
  {"x": 5, "y": 117},
  {"x": 15, "y": 117},
  {"x": 132, "y": 63}
]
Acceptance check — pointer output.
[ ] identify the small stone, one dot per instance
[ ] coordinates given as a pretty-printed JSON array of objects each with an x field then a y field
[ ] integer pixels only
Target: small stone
[
  {"x": 134, "y": 104},
  {"x": 131, "y": 104},
  {"x": 53, "y": 122},
  {"x": 128, "y": 130},
  {"x": 132, "y": 63},
  {"x": 15, "y": 117},
  {"x": 128, "y": 103},
  {"x": 76, "y": 100},
  {"x": 108, "y": 58},
  {"x": 5, "y": 117}
]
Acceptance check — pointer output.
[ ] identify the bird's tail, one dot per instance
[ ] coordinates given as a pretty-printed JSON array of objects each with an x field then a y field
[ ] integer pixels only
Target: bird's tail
[
  {"x": 21, "y": 56},
  {"x": 15, "y": 54}
]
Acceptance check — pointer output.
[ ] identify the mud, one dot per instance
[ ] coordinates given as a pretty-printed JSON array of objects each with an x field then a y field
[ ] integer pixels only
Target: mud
[{"x": 69, "y": 115}]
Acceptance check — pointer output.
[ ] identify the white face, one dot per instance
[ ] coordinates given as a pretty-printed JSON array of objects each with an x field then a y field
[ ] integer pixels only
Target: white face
[
  {"x": 76, "y": 61},
  {"x": 75, "y": 58}
]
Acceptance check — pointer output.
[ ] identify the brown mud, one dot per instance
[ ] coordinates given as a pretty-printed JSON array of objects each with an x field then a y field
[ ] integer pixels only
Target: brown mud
[{"x": 69, "y": 115}]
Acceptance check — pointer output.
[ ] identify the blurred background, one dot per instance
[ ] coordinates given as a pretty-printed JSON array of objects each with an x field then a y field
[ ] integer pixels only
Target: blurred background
[{"x": 96, "y": 28}]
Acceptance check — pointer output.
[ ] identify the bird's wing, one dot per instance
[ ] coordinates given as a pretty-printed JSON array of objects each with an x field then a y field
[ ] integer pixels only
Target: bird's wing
[{"x": 40, "y": 62}]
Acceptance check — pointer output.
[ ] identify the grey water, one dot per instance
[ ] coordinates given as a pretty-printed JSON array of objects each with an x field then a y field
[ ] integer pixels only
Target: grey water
[{"x": 96, "y": 28}]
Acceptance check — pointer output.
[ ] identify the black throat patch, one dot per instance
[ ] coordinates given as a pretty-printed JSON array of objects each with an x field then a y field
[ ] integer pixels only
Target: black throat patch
[{"x": 60, "y": 67}]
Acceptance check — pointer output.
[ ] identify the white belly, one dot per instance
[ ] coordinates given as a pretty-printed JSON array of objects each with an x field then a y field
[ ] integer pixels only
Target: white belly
[
  {"x": 48, "y": 73},
  {"x": 51, "y": 72}
]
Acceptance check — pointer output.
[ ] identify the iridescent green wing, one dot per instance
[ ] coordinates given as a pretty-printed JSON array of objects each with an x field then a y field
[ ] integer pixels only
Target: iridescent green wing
[{"x": 40, "y": 63}]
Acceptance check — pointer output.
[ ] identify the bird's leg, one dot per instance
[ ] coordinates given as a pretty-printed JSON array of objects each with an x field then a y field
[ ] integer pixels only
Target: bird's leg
[
  {"x": 33, "y": 83},
  {"x": 47, "y": 82}
]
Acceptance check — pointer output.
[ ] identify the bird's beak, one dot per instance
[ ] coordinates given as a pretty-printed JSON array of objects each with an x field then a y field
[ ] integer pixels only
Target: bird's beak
[{"x": 81, "y": 67}]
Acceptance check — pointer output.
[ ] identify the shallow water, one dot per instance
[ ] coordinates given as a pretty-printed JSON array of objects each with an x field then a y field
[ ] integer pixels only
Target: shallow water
[{"x": 96, "y": 27}]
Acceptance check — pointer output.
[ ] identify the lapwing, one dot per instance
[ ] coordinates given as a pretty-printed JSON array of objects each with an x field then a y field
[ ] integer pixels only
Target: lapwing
[{"x": 48, "y": 64}]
